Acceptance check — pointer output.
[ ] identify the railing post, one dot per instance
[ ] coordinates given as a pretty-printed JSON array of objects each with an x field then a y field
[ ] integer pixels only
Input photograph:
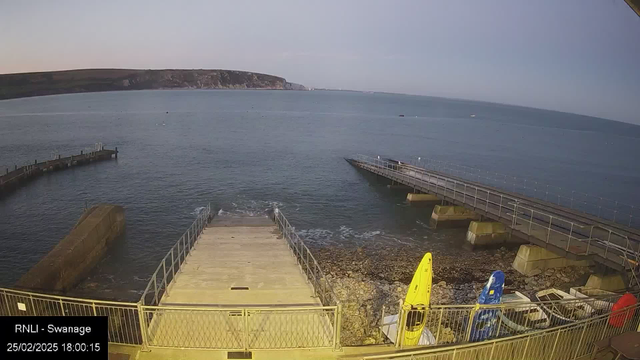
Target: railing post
[
  {"x": 526, "y": 347},
  {"x": 464, "y": 195},
  {"x": 530, "y": 221},
  {"x": 486, "y": 204},
  {"x": 173, "y": 269},
  {"x": 245, "y": 333},
  {"x": 555, "y": 344},
  {"x": 338, "y": 327},
  {"x": 500, "y": 208},
  {"x": 475, "y": 198},
  {"x": 549, "y": 229},
  {"x": 439, "y": 324},
  {"x": 570, "y": 233},
  {"x": 589, "y": 241},
  {"x": 143, "y": 327},
  {"x": 164, "y": 270},
  {"x": 455, "y": 184},
  {"x": 472, "y": 315},
  {"x": 62, "y": 308},
  {"x": 493, "y": 346},
  {"x": 155, "y": 287},
  {"x": 400, "y": 324},
  {"x": 575, "y": 356}
]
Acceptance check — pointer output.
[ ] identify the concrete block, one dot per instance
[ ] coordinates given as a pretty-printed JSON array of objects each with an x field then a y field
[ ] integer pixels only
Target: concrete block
[
  {"x": 610, "y": 282},
  {"x": 531, "y": 258},
  {"x": 76, "y": 254},
  {"x": 487, "y": 233},
  {"x": 413, "y": 197},
  {"x": 452, "y": 216}
]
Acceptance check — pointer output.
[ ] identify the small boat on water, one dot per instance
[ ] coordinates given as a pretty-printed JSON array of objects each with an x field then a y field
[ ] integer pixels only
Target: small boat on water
[
  {"x": 570, "y": 310},
  {"x": 605, "y": 301},
  {"x": 522, "y": 315}
]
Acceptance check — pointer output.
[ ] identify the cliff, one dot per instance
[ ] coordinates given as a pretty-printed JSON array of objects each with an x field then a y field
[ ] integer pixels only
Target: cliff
[{"x": 90, "y": 80}]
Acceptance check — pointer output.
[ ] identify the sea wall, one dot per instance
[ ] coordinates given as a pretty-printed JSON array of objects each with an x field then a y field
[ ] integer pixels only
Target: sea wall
[{"x": 76, "y": 254}]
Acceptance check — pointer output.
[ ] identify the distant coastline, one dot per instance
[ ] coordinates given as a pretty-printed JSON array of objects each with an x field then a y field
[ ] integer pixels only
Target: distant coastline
[{"x": 21, "y": 85}]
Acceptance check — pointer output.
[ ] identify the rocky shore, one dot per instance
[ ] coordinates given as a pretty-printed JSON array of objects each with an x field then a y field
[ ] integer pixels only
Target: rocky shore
[{"x": 366, "y": 279}]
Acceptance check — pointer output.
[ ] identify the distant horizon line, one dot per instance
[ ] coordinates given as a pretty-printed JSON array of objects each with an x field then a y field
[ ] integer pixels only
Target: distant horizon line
[{"x": 325, "y": 88}]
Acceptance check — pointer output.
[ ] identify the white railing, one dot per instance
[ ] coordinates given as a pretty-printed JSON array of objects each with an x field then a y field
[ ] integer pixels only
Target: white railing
[
  {"x": 614, "y": 210},
  {"x": 454, "y": 324},
  {"x": 540, "y": 225},
  {"x": 567, "y": 342},
  {"x": 170, "y": 265}
]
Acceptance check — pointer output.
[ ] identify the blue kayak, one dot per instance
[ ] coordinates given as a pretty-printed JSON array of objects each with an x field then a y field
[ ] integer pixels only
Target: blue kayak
[{"x": 484, "y": 321}]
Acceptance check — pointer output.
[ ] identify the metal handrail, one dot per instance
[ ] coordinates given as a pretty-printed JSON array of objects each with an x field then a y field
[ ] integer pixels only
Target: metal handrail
[
  {"x": 539, "y": 189},
  {"x": 457, "y": 319},
  {"x": 176, "y": 256},
  {"x": 58, "y": 297},
  {"x": 494, "y": 202},
  {"x": 123, "y": 325},
  {"x": 306, "y": 260},
  {"x": 483, "y": 345}
]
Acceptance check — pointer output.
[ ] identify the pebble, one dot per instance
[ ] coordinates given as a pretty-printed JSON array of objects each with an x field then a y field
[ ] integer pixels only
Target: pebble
[{"x": 367, "y": 280}]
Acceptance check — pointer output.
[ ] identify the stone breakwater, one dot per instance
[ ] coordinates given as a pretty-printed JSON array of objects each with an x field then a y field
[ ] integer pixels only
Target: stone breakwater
[{"x": 366, "y": 279}]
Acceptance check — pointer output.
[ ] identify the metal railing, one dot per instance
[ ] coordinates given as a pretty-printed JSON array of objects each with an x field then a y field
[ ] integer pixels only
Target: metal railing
[
  {"x": 170, "y": 265},
  {"x": 124, "y": 320},
  {"x": 539, "y": 225},
  {"x": 571, "y": 341},
  {"x": 601, "y": 207},
  {"x": 308, "y": 264},
  {"x": 228, "y": 328},
  {"x": 151, "y": 324},
  {"x": 312, "y": 271},
  {"x": 451, "y": 324}
]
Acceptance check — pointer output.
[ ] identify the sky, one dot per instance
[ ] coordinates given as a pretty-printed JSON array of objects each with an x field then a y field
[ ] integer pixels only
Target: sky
[{"x": 579, "y": 56}]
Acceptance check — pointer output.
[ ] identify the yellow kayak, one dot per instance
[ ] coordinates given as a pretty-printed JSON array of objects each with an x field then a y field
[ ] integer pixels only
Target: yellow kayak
[{"x": 417, "y": 301}]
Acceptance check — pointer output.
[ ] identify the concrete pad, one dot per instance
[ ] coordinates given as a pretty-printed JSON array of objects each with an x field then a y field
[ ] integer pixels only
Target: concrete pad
[
  {"x": 611, "y": 282},
  {"x": 532, "y": 259},
  {"x": 230, "y": 256}
]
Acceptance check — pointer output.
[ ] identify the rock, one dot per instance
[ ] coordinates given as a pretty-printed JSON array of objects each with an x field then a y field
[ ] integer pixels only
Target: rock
[
  {"x": 535, "y": 272},
  {"x": 369, "y": 341},
  {"x": 442, "y": 283},
  {"x": 471, "y": 295}
]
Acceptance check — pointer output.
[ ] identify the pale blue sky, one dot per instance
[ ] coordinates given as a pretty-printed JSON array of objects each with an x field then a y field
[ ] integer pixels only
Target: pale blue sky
[{"x": 579, "y": 56}]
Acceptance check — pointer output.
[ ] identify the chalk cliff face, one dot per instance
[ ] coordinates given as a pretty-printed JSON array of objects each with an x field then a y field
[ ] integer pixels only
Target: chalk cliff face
[{"x": 89, "y": 80}]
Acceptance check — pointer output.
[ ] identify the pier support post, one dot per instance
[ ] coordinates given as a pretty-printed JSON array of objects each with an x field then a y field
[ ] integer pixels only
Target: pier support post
[
  {"x": 486, "y": 233},
  {"x": 532, "y": 260},
  {"x": 422, "y": 198},
  {"x": 116, "y": 152},
  {"x": 610, "y": 282},
  {"x": 452, "y": 216}
]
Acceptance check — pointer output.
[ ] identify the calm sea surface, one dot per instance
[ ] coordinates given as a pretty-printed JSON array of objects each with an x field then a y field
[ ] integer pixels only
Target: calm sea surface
[{"x": 244, "y": 151}]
